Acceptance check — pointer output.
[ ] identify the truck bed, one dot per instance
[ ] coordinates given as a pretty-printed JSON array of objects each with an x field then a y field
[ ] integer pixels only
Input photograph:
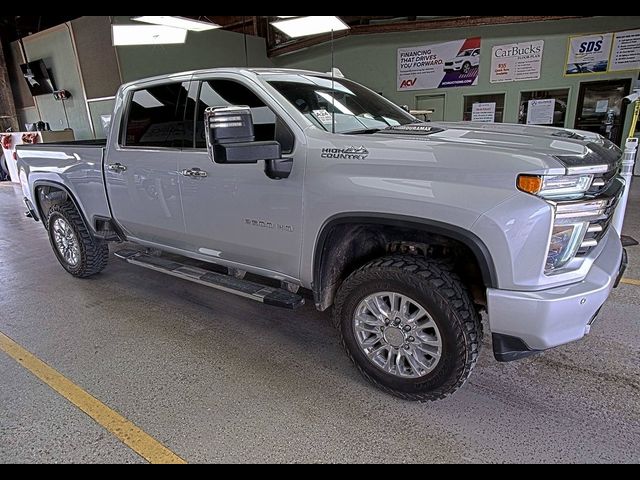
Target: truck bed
[{"x": 73, "y": 166}]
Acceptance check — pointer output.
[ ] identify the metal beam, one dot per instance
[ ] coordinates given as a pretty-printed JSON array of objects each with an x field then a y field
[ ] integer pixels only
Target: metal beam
[
  {"x": 8, "y": 115},
  {"x": 408, "y": 26}
]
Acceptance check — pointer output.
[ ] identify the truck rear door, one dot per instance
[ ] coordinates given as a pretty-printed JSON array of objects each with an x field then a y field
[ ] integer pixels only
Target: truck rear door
[{"x": 141, "y": 167}]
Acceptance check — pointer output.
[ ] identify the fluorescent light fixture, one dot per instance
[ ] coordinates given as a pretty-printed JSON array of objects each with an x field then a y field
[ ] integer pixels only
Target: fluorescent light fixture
[
  {"x": 146, "y": 100},
  {"x": 147, "y": 35},
  {"x": 312, "y": 25},
  {"x": 178, "y": 22}
]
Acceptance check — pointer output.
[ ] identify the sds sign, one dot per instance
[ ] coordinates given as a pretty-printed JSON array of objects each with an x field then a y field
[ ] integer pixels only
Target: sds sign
[{"x": 590, "y": 47}]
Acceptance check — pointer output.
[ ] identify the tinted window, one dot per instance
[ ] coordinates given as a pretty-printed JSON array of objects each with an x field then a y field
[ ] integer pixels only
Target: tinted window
[
  {"x": 156, "y": 117},
  {"x": 225, "y": 93}
]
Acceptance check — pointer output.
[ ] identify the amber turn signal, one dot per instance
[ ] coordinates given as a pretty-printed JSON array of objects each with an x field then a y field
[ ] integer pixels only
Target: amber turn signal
[{"x": 530, "y": 183}]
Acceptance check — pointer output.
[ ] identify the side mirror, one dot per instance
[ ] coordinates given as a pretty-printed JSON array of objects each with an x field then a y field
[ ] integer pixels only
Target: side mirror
[
  {"x": 230, "y": 137},
  {"x": 405, "y": 108}
]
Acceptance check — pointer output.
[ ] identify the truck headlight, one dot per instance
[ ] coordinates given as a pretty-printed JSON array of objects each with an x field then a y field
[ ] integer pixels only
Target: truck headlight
[
  {"x": 566, "y": 187},
  {"x": 565, "y": 242}
]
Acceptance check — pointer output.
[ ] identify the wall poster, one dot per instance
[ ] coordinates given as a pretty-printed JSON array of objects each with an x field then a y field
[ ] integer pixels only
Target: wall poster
[
  {"x": 516, "y": 62},
  {"x": 440, "y": 65}
]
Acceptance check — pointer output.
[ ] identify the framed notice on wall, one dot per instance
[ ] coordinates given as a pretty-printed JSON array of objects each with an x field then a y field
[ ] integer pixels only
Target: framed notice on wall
[
  {"x": 625, "y": 54},
  {"x": 603, "y": 52},
  {"x": 516, "y": 62},
  {"x": 540, "y": 112},
  {"x": 588, "y": 54},
  {"x": 483, "y": 112}
]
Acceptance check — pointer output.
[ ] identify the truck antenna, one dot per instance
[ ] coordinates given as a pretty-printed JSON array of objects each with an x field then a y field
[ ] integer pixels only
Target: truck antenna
[{"x": 333, "y": 88}]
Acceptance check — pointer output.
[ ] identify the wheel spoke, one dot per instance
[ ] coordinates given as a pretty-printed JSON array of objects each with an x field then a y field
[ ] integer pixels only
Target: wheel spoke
[
  {"x": 425, "y": 324},
  {"x": 417, "y": 366},
  {"x": 382, "y": 306},
  {"x": 395, "y": 300},
  {"x": 428, "y": 339},
  {"x": 389, "y": 365},
  {"x": 367, "y": 328},
  {"x": 432, "y": 353},
  {"x": 371, "y": 341},
  {"x": 374, "y": 353},
  {"x": 420, "y": 313},
  {"x": 404, "y": 307},
  {"x": 372, "y": 306},
  {"x": 368, "y": 319}
]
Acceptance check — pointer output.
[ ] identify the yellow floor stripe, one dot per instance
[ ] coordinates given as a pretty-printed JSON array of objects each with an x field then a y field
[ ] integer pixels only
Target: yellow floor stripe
[
  {"x": 129, "y": 434},
  {"x": 630, "y": 281}
]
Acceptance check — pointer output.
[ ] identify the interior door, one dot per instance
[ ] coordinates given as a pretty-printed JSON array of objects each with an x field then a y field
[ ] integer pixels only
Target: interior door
[
  {"x": 143, "y": 181},
  {"x": 236, "y": 214},
  {"x": 601, "y": 109},
  {"x": 434, "y": 103}
]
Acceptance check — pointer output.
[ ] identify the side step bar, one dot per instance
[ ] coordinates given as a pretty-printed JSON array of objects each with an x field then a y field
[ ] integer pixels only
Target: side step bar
[{"x": 268, "y": 295}]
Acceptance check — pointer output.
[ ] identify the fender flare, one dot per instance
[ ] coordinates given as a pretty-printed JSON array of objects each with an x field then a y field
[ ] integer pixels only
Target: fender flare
[
  {"x": 467, "y": 238},
  {"x": 65, "y": 189}
]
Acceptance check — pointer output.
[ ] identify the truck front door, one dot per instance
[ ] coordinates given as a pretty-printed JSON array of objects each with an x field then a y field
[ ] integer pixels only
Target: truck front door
[
  {"x": 237, "y": 215},
  {"x": 141, "y": 168}
]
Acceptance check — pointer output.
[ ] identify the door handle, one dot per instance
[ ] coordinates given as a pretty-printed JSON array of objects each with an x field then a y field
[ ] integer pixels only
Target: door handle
[
  {"x": 194, "y": 173},
  {"x": 117, "y": 167}
]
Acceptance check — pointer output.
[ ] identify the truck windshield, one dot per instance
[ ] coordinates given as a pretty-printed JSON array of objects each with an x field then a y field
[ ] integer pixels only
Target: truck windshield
[{"x": 352, "y": 107}]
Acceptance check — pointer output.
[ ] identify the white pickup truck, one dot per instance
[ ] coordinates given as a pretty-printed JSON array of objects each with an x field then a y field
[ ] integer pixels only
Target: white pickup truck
[{"x": 272, "y": 183}]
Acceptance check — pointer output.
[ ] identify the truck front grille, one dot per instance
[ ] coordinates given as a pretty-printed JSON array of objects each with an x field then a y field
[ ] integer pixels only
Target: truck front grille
[{"x": 597, "y": 209}]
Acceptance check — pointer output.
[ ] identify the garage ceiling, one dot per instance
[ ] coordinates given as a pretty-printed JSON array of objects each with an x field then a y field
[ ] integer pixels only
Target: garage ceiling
[{"x": 14, "y": 27}]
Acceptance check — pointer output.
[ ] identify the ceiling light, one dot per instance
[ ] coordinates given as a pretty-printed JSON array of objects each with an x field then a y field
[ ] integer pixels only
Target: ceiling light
[
  {"x": 312, "y": 25},
  {"x": 178, "y": 22},
  {"x": 147, "y": 35}
]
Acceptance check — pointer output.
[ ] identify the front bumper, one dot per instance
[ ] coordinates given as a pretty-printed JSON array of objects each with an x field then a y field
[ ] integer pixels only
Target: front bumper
[{"x": 527, "y": 322}]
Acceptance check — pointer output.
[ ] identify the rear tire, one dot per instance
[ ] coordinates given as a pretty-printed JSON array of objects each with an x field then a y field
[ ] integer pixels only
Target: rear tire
[
  {"x": 79, "y": 252},
  {"x": 393, "y": 358},
  {"x": 4, "y": 169}
]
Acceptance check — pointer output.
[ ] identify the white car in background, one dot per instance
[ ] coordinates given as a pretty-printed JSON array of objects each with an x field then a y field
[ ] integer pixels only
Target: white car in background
[{"x": 464, "y": 62}]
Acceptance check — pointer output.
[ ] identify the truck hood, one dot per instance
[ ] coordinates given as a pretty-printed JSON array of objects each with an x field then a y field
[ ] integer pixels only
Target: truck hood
[{"x": 571, "y": 148}]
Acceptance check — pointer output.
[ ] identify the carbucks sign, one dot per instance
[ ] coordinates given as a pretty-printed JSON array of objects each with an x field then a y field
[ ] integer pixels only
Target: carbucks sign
[{"x": 516, "y": 62}]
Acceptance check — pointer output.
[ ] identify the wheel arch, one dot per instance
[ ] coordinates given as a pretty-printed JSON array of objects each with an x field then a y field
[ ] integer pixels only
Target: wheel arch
[
  {"x": 38, "y": 198},
  {"x": 337, "y": 247}
]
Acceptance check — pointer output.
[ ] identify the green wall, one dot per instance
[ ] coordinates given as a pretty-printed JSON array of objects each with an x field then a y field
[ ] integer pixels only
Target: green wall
[
  {"x": 371, "y": 60},
  {"x": 213, "y": 48},
  {"x": 209, "y": 49},
  {"x": 55, "y": 47}
]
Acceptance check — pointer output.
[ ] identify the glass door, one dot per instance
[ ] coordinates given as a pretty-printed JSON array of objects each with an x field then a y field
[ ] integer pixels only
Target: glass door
[{"x": 600, "y": 108}]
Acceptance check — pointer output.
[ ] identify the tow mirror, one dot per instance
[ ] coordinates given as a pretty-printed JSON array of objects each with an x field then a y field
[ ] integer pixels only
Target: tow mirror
[{"x": 230, "y": 137}]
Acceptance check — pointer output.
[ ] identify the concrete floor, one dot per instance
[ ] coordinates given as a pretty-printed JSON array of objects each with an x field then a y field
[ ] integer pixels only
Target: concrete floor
[{"x": 217, "y": 378}]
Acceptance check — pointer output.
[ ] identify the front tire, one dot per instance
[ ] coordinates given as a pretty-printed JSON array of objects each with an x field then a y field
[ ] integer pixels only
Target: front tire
[
  {"x": 466, "y": 68},
  {"x": 409, "y": 326},
  {"x": 79, "y": 253}
]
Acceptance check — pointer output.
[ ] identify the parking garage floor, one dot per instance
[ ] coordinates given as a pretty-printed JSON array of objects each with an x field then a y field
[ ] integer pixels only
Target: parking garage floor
[{"x": 216, "y": 378}]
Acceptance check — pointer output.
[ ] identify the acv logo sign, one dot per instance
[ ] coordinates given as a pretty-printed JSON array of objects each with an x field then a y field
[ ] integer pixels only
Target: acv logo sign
[{"x": 408, "y": 83}]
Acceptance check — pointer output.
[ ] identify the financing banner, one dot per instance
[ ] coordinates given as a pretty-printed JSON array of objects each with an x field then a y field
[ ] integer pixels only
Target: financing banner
[
  {"x": 516, "y": 62},
  {"x": 441, "y": 65}
]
